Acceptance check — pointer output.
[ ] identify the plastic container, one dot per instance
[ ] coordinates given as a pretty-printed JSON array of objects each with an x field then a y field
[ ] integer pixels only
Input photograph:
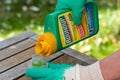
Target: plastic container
[
  {"x": 60, "y": 31},
  {"x": 37, "y": 61}
]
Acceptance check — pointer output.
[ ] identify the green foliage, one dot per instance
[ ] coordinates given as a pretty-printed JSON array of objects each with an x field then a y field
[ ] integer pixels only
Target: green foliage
[
  {"x": 20, "y": 15},
  {"x": 107, "y": 41}
]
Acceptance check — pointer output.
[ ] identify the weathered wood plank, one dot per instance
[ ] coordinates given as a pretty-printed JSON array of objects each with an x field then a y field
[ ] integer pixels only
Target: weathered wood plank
[
  {"x": 15, "y": 72},
  {"x": 54, "y": 56},
  {"x": 79, "y": 62},
  {"x": 16, "y": 39},
  {"x": 34, "y": 37},
  {"x": 14, "y": 49},
  {"x": 79, "y": 56},
  {"x": 24, "y": 78},
  {"x": 69, "y": 60},
  {"x": 15, "y": 60},
  {"x": 64, "y": 59}
]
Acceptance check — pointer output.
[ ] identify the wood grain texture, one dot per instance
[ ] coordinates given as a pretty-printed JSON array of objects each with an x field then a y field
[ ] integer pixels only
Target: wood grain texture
[
  {"x": 14, "y": 72},
  {"x": 16, "y": 39},
  {"x": 64, "y": 59},
  {"x": 34, "y": 37},
  {"x": 80, "y": 56},
  {"x": 15, "y": 60},
  {"x": 24, "y": 78},
  {"x": 16, "y": 48}
]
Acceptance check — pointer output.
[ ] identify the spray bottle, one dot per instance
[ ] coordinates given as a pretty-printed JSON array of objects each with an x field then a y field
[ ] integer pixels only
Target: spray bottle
[{"x": 60, "y": 31}]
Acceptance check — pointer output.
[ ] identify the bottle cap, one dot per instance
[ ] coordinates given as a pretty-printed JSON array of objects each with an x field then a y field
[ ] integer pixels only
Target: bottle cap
[{"x": 46, "y": 44}]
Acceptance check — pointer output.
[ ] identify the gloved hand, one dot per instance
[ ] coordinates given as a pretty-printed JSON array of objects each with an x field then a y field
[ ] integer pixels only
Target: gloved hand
[
  {"x": 52, "y": 72},
  {"x": 76, "y": 6}
]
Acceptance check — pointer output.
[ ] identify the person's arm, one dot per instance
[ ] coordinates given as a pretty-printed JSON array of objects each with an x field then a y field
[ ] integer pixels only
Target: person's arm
[{"x": 110, "y": 67}]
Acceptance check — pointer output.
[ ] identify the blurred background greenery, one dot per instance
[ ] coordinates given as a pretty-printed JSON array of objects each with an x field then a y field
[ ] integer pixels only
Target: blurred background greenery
[{"x": 17, "y": 16}]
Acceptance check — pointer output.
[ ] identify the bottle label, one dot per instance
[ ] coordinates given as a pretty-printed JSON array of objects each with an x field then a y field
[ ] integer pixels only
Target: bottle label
[{"x": 69, "y": 32}]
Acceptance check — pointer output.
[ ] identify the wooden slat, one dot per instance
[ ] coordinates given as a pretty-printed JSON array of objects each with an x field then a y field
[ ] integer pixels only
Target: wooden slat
[
  {"x": 14, "y": 72},
  {"x": 14, "y": 49},
  {"x": 34, "y": 37},
  {"x": 19, "y": 70},
  {"x": 15, "y": 39},
  {"x": 24, "y": 78},
  {"x": 15, "y": 60},
  {"x": 79, "y": 56},
  {"x": 79, "y": 62},
  {"x": 54, "y": 56},
  {"x": 64, "y": 59}
]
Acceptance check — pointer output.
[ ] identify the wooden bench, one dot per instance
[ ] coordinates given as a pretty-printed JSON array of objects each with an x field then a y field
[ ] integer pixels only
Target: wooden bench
[{"x": 16, "y": 52}]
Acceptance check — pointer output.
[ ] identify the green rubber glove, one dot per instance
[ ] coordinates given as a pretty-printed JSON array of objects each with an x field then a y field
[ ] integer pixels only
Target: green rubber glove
[
  {"x": 77, "y": 6},
  {"x": 53, "y": 72}
]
